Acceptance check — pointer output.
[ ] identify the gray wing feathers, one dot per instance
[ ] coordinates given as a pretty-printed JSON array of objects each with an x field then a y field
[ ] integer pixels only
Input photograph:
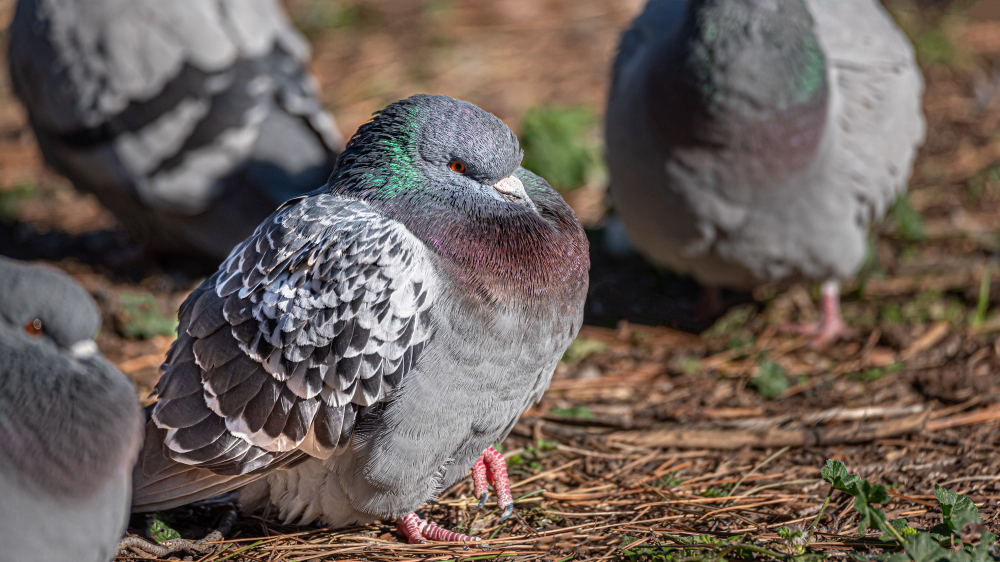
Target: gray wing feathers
[
  {"x": 320, "y": 313},
  {"x": 179, "y": 90},
  {"x": 878, "y": 101},
  {"x": 659, "y": 21}
]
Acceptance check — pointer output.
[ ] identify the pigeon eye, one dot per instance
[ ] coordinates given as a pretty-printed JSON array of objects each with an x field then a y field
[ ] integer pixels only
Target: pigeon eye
[
  {"x": 457, "y": 166},
  {"x": 34, "y": 327}
]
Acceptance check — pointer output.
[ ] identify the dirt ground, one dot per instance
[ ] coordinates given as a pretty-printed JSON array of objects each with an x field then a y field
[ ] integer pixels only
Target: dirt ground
[{"x": 656, "y": 425}]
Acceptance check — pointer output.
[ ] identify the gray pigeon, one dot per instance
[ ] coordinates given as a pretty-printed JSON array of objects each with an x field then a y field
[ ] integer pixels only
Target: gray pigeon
[
  {"x": 755, "y": 141},
  {"x": 372, "y": 339},
  {"x": 191, "y": 120},
  {"x": 70, "y": 424}
]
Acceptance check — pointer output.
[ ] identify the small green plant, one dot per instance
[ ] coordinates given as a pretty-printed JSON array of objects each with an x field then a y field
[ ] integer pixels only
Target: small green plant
[
  {"x": 771, "y": 380},
  {"x": 793, "y": 536},
  {"x": 161, "y": 531},
  {"x": 942, "y": 543},
  {"x": 139, "y": 317},
  {"x": 716, "y": 492},
  {"x": 668, "y": 481},
  {"x": 689, "y": 365},
  {"x": 875, "y": 373},
  {"x": 865, "y": 494},
  {"x": 928, "y": 306},
  {"x": 733, "y": 320},
  {"x": 560, "y": 144},
  {"x": 983, "y": 302},
  {"x": 909, "y": 223},
  {"x": 581, "y": 348},
  {"x": 934, "y": 46},
  {"x": 578, "y": 412},
  {"x": 10, "y": 200},
  {"x": 530, "y": 458}
]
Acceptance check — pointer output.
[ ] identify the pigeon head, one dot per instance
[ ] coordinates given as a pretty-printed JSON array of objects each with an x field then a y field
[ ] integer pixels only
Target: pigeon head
[
  {"x": 47, "y": 306},
  {"x": 748, "y": 75},
  {"x": 451, "y": 173},
  {"x": 764, "y": 53},
  {"x": 437, "y": 150}
]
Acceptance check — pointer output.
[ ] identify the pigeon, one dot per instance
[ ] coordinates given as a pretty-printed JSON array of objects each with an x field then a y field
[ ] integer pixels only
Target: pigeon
[
  {"x": 369, "y": 343},
  {"x": 755, "y": 141},
  {"x": 70, "y": 424},
  {"x": 191, "y": 120}
]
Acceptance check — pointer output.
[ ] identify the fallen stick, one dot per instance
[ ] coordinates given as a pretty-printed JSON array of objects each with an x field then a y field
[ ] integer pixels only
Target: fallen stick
[
  {"x": 735, "y": 439},
  {"x": 989, "y": 414}
]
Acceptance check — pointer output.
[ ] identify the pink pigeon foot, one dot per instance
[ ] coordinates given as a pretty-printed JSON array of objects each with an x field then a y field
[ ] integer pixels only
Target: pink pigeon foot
[
  {"x": 491, "y": 468},
  {"x": 831, "y": 326},
  {"x": 418, "y": 531}
]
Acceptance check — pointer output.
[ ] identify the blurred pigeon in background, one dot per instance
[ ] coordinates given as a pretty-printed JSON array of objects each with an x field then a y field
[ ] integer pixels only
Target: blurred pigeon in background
[
  {"x": 191, "y": 120},
  {"x": 755, "y": 141},
  {"x": 70, "y": 424},
  {"x": 372, "y": 340}
]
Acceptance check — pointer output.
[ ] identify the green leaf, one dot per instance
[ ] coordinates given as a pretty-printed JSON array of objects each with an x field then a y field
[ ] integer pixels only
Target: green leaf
[
  {"x": 864, "y": 492},
  {"x": 161, "y": 531},
  {"x": 561, "y": 144},
  {"x": 789, "y": 534},
  {"x": 833, "y": 470},
  {"x": 902, "y": 527},
  {"x": 984, "y": 551},
  {"x": 771, "y": 380},
  {"x": 958, "y": 510},
  {"x": 923, "y": 548},
  {"x": 909, "y": 222}
]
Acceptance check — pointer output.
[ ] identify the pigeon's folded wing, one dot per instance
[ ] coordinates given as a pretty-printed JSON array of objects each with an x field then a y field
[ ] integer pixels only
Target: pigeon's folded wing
[
  {"x": 658, "y": 23},
  {"x": 177, "y": 89},
  {"x": 878, "y": 103},
  {"x": 321, "y": 313}
]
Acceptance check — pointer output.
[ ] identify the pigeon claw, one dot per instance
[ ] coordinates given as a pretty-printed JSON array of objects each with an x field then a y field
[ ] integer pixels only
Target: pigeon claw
[
  {"x": 491, "y": 468},
  {"x": 507, "y": 512},
  {"x": 482, "y": 500},
  {"x": 831, "y": 326},
  {"x": 418, "y": 531}
]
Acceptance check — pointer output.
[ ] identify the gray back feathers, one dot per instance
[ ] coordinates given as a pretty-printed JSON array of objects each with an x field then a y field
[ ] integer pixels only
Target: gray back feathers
[
  {"x": 191, "y": 120},
  {"x": 772, "y": 151}
]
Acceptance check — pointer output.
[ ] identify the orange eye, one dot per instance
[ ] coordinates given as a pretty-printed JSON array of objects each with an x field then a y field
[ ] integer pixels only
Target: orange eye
[
  {"x": 34, "y": 327},
  {"x": 457, "y": 166}
]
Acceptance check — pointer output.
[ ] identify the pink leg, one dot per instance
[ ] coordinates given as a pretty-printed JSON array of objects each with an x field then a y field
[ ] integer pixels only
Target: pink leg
[
  {"x": 831, "y": 326},
  {"x": 418, "y": 531},
  {"x": 491, "y": 468},
  {"x": 480, "y": 481}
]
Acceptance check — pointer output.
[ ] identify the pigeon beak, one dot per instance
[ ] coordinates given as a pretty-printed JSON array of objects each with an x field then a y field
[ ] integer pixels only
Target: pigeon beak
[
  {"x": 83, "y": 349},
  {"x": 511, "y": 187}
]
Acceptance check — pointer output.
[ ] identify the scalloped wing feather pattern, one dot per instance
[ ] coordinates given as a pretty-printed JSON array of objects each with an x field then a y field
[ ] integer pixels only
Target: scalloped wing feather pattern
[{"x": 322, "y": 312}]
